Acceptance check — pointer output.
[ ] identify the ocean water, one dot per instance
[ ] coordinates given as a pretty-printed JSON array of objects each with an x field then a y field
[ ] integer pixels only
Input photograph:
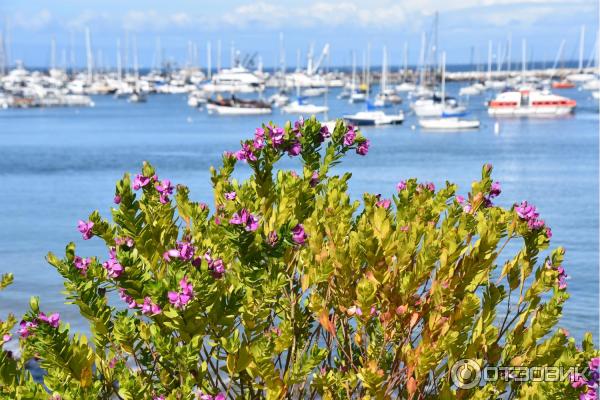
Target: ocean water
[{"x": 57, "y": 165}]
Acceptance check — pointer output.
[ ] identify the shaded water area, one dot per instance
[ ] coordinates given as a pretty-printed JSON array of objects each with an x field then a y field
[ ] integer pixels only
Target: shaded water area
[{"x": 58, "y": 165}]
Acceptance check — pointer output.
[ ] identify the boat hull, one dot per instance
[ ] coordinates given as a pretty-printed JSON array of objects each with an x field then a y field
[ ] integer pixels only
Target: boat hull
[
  {"x": 224, "y": 110},
  {"x": 529, "y": 111},
  {"x": 448, "y": 124}
]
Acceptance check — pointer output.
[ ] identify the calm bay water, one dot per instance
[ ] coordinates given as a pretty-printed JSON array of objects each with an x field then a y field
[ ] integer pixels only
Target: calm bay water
[{"x": 58, "y": 165}]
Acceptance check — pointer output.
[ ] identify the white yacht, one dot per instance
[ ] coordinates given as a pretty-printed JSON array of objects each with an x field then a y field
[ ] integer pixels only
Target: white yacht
[{"x": 530, "y": 103}]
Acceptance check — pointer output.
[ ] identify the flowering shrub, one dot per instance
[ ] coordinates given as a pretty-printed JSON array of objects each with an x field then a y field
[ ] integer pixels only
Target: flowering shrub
[{"x": 288, "y": 289}]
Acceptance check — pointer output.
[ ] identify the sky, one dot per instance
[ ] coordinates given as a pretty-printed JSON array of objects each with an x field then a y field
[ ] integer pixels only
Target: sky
[{"x": 464, "y": 30}]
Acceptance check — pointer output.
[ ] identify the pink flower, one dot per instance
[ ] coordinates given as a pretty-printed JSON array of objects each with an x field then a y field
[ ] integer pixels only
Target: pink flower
[
  {"x": 217, "y": 267},
  {"x": 385, "y": 203},
  {"x": 249, "y": 221},
  {"x": 298, "y": 234},
  {"x": 25, "y": 329},
  {"x": 276, "y": 135},
  {"x": 401, "y": 186},
  {"x": 186, "y": 287},
  {"x": 117, "y": 199},
  {"x": 460, "y": 199},
  {"x": 82, "y": 264},
  {"x": 495, "y": 190},
  {"x": 172, "y": 253},
  {"x": 314, "y": 179},
  {"x": 126, "y": 241},
  {"x": 85, "y": 228},
  {"x": 294, "y": 149},
  {"x": 140, "y": 181},
  {"x": 363, "y": 148},
  {"x": 230, "y": 195},
  {"x": 114, "y": 268},
  {"x": 5, "y": 338},
  {"x": 149, "y": 307},
  {"x": 325, "y": 132},
  {"x": 130, "y": 301},
  {"x": 165, "y": 189},
  {"x": 52, "y": 320},
  {"x": 259, "y": 138},
  {"x": 350, "y": 136},
  {"x": 178, "y": 300},
  {"x": 186, "y": 250}
]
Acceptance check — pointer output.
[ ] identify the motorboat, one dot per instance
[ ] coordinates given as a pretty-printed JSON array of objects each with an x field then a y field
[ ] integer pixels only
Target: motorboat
[
  {"x": 564, "y": 84},
  {"x": 236, "y": 106},
  {"x": 434, "y": 107},
  {"x": 406, "y": 87},
  {"x": 300, "y": 107},
  {"x": 451, "y": 123},
  {"x": 530, "y": 103},
  {"x": 279, "y": 99},
  {"x": 472, "y": 90},
  {"x": 314, "y": 92},
  {"x": 374, "y": 117}
]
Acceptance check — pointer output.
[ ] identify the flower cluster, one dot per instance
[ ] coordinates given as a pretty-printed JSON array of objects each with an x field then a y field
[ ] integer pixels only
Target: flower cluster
[
  {"x": 562, "y": 275},
  {"x": 184, "y": 251},
  {"x": 164, "y": 188},
  {"x": 528, "y": 213},
  {"x": 184, "y": 296},
  {"x": 150, "y": 308},
  {"x": 216, "y": 266},
  {"x": 298, "y": 234},
  {"x": 590, "y": 384},
  {"x": 26, "y": 328},
  {"x": 244, "y": 218},
  {"x": 401, "y": 186},
  {"x": 86, "y": 229},
  {"x": 114, "y": 268},
  {"x": 130, "y": 301},
  {"x": 82, "y": 264},
  {"x": 429, "y": 186},
  {"x": 53, "y": 320}
]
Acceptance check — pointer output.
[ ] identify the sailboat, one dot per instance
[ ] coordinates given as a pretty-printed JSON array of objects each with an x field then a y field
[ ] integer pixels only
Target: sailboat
[
  {"x": 301, "y": 107},
  {"x": 581, "y": 76},
  {"x": 137, "y": 96},
  {"x": 385, "y": 97},
  {"x": 374, "y": 117},
  {"x": 447, "y": 121}
]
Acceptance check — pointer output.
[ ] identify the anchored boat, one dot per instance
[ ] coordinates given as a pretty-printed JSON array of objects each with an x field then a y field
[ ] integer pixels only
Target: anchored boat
[
  {"x": 235, "y": 106},
  {"x": 530, "y": 103}
]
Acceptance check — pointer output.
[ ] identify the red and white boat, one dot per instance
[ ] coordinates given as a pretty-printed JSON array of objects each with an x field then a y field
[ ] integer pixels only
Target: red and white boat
[
  {"x": 533, "y": 103},
  {"x": 563, "y": 84}
]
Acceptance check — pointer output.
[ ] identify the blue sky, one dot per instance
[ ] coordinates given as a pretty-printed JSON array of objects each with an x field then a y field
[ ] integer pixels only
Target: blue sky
[{"x": 254, "y": 26}]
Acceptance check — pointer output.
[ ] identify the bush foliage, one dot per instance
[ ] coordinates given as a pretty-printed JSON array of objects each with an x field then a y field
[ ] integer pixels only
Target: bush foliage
[{"x": 289, "y": 289}]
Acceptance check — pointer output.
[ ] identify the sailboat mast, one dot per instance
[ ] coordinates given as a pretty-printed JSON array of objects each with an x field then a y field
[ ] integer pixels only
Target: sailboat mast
[
  {"x": 581, "y": 47},
  {"x": 443, "y": 78},
  {"x": 119, "y": 66},
  {"x": 89, "y": 56},
  {"x": 383, "y": 71},
  {"x": 524, "y": 59},
  {"x": 208, "y": 60},
  {"x": 489, "y": 74}
]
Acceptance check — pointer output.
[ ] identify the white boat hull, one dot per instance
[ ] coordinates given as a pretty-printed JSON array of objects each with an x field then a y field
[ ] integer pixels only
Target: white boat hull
[
  {"x": 370, "y": 118},
  {"x": 304, "y": 109},
  {"x": 223, "y": 110},
  {"x": 529, "y": 111},
  {"x": 448, "y": 123}
]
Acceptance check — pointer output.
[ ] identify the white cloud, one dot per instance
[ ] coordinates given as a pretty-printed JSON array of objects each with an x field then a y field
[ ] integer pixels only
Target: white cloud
[
  {"x": 33, "y": 22},
  {"x": 396, "y": 15}
]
